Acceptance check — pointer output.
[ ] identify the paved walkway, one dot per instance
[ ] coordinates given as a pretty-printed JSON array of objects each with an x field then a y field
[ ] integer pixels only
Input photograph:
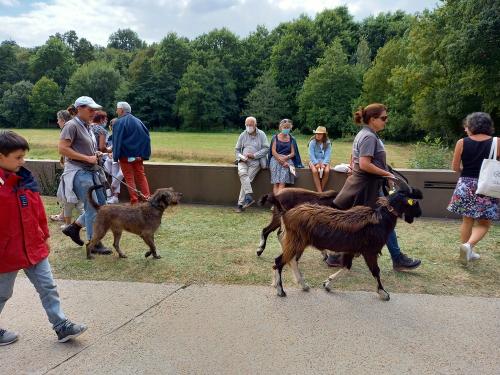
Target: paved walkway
[{"x": 137, "y": 328}]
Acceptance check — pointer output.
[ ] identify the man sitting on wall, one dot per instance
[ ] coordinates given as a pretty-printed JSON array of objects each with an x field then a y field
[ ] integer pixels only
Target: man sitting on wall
[{"x": 251, "y": 152}]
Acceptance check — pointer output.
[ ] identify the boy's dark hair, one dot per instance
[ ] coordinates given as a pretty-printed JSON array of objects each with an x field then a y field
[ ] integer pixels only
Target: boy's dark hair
[{"x": 10, "y": 142}]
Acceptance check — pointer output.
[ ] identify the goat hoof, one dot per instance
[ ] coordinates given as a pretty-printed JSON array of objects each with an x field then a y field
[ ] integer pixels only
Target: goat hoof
[
  {"x": 384, "y": 296},
  {"x": 281, "y": 293},
  {"x": 306, "y": 288},
  {"x": 156, "y": 256},
  {"x": 259, "y": 252},
  {"x": 122, "y": 256},
  {"x": 148, "y": 254},
  {"x": 90, "y": 257},
  {"x": 327, "y": 287}
]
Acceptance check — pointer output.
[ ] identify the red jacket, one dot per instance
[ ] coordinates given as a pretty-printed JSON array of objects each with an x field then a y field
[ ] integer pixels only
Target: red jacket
[{"x": 23, "y": 222}]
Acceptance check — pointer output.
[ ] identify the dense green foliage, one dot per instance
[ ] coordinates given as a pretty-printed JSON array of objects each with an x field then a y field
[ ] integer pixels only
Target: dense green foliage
[{"x": 430, "y": 69}]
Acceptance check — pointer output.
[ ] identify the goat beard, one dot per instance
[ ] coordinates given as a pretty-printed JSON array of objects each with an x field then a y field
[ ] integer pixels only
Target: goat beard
[{"x": 408, "y": 219}]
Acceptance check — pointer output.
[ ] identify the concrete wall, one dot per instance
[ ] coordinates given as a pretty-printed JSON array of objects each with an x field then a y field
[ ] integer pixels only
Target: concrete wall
[{"x": 213, "y": 184}]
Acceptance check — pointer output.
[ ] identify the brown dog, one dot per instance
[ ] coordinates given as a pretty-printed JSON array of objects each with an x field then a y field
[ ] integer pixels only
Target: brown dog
[{"x": 142, "y": 219}]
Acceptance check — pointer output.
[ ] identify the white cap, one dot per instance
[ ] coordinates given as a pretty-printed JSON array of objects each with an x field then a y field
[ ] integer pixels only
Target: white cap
[{"x": 88, "y": 101}]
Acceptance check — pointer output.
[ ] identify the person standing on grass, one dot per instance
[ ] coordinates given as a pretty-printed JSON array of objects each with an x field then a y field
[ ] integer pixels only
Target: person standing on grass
[
  {"x": 369, "y": 171},
  {"x": 474, "y": 209},
  {"x": 131, "y": 146},
  {"x": 251, "y": 151},
  {"x": 113, "y": 168},
  {"x": 63, "y": 116},
  {"x": 24, "y": 236},
  {"x": 320, "y": 149},
  {"x": 77, "y": 144}
]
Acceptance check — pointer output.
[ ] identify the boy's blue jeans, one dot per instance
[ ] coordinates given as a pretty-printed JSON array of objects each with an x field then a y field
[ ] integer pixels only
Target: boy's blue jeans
[
  {"x": 41, "y": 277},
  {"x": 393, "y": 246},
  {"x": 82, "y": 182}
]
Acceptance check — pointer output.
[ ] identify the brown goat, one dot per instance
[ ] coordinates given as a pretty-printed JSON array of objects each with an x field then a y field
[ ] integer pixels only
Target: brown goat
[
  {"x": 142, "y": 219},
  {"x": 289, "y": 198},
  {"x": 360, "y": 230}
]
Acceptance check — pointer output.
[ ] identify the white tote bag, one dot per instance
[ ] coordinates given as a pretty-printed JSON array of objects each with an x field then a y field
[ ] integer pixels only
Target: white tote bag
[{"x": 489, "y": 177}]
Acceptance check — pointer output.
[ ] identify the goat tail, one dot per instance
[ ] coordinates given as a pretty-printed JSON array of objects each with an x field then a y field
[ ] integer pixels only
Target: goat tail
[{"x": 91, "y": 198}]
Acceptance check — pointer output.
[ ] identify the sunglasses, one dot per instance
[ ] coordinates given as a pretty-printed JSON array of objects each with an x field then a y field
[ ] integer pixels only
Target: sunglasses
[{"x": 383, "y": 118}]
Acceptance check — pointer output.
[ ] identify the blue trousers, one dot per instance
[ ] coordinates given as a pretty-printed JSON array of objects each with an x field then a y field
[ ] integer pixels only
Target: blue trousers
[
  {"x": 393, "y": 246},
  {"x": 82, "y": 182},
  {"x": 41, "y": 277}
]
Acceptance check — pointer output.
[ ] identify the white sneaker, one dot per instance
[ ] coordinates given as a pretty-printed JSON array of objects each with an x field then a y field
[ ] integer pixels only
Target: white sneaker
[
  {"x": 474, "y": 255},
  {"x": 112, "y": 200},
  {"x": 465, "y": 253}
]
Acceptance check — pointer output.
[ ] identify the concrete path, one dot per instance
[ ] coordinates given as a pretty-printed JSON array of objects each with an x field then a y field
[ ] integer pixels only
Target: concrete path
[{"x": 137, "y": 328}]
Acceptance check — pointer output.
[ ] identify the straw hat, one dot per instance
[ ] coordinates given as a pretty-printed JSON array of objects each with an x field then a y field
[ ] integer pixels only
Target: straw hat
[{"x": 320, "y": 130}]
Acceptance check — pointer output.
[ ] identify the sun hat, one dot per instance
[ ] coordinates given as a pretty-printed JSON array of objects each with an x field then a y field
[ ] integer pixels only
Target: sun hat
[
  {"x": 88, "y": 101},
  {"x": 320, "y": 130}
]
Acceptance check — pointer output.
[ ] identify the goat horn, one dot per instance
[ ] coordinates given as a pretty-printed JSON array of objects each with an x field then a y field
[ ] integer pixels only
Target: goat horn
[{"x": 402, "y": 183}]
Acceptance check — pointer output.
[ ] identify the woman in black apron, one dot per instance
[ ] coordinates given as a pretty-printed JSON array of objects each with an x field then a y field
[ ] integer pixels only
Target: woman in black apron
[{"x": 369, "y": 172}]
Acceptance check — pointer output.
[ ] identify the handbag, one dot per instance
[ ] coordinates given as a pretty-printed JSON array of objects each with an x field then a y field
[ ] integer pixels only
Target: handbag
[{"x": 489, "y": 176}]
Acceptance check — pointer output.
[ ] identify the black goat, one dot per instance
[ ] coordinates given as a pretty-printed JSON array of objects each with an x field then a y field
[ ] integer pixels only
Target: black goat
[
  {"x": 287, "y": 199},
  {"x": 359, "y": 230}
]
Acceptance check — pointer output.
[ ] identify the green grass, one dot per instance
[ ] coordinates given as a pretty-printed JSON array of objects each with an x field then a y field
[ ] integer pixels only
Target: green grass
[
  {"x": 211, "y": 244},
  {"x": 210, "y": 148}
]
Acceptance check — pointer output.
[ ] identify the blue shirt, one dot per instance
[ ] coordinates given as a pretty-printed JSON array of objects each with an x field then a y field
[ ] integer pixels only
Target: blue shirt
[{"x": 319, "y": 153}]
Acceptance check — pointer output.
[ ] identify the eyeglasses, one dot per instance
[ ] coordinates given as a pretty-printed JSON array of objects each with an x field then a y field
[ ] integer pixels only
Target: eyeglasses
[{"x": 383, "y": 118}]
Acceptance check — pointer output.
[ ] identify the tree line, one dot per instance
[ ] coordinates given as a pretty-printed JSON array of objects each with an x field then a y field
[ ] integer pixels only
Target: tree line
[{"x": 431, "y": 69}]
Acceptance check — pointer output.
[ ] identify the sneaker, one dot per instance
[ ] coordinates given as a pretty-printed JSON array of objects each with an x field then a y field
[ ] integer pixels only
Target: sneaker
[
  {"x": 69, "y": 331},
  {"x": 404, "y": 263},
  {"x": 465, "y": 253},
  {"x": 248, "y": 201},
  {"x": 239, "y": 209},
  {"x": 334, "y": 260},
  {"x": 474, "y": 255},
  {"x": 7, "y": 337},
  {"x": 112, "y": 200},
  {"x": 73, "y": 231}
]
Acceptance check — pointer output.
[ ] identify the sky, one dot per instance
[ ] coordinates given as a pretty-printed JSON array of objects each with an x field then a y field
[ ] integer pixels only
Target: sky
[{"x": 30, "y": 23}]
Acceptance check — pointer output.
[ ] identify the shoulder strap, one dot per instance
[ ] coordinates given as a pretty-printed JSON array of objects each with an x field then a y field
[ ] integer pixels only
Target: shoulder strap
[{"x": 493, "y": 150}]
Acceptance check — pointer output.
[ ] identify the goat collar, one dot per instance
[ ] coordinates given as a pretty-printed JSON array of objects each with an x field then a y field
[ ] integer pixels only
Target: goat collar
[{"x": 384, "y": 202}]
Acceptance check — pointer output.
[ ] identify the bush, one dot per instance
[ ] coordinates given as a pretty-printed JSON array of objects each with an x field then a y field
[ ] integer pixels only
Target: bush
[{"x": 431, "y": 153}]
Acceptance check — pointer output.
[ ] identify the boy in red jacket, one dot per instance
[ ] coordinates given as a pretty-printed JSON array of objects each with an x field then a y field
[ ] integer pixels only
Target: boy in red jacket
[{"x": 24, "y": 238}]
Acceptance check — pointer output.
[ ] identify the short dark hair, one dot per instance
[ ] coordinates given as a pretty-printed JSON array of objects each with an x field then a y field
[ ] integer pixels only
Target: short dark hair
[
  {"x": 10, "y": 142},
  {"x": 479, "y": 123}
]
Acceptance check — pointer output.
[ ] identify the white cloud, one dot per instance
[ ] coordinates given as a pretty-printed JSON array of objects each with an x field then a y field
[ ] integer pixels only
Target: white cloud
[
  {"x": 9, "y": 3},
  {"x": 95, "y": 21},
  {"x": 153, "y": 19}
]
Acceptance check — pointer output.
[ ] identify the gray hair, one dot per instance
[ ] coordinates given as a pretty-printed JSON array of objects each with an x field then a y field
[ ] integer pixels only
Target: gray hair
[
  {"x": 64, "y": 115},
  {"x": 125, "y": 106},
  {"x": 479, "y": 123},
  {"x": 286, "y": 121},
  {"x": 251, "y": 118}
]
